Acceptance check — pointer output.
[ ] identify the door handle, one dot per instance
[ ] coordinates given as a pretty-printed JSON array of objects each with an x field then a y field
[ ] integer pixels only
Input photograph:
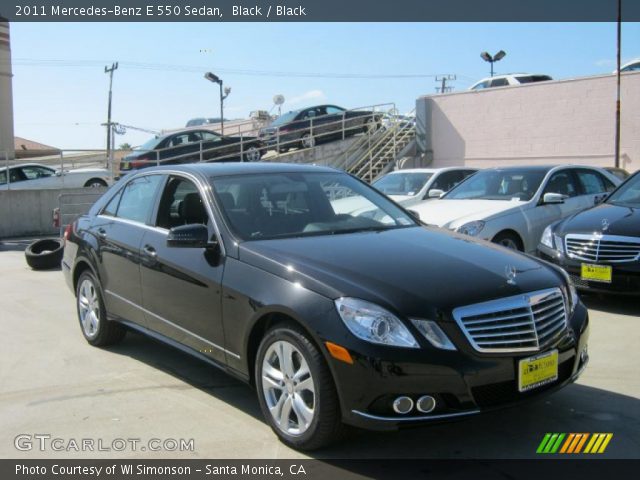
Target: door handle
[
  {"x": 149, "y": 251},
  {"x": 102, "y": 233}
]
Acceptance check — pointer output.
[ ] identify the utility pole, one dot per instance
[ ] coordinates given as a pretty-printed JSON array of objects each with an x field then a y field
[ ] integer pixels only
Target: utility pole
[
  {"x": 110, "y": 70},
  {"x": 619, "y": 47},
  {"x": 443, "y": 79}
]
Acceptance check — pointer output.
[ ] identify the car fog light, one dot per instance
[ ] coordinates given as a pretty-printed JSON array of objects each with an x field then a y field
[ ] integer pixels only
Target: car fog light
[
  {"x": 402, "y": 405},
  {"x": 433, "y": 333},
  {"x": 584, "y": 355},
  {"x": 426, "y": 404}
]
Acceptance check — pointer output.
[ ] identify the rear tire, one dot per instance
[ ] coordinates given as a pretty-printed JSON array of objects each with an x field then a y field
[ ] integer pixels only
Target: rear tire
[
  {"x": 307, "y": 141},
  {"x": 97, "y": 330},
  {"x": 296, "y": 391},
  {"x": 44, "y": 254}
]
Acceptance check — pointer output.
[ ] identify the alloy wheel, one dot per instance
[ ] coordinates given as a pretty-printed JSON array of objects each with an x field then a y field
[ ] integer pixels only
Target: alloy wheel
[
  {"x": 89, "y": 308},
  {"x": 288, "y": 387}
]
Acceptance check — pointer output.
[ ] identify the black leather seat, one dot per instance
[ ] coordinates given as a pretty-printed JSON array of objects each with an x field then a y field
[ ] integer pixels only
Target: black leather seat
[{"x": 192, "y": 210}]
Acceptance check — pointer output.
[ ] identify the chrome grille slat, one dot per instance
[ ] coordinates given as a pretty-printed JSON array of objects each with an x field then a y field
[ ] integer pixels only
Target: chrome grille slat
[
  {"x": 602, "y": 248},
  {"x": 527, "y": 322}
]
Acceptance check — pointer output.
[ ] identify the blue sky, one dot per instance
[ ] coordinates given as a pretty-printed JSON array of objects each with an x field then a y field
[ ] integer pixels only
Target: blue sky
[{"x": 60, "y": 88}]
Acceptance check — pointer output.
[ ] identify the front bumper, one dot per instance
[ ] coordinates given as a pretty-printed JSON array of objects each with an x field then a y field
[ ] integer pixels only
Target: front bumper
[
  {"x": 625, "y": 279},
  {"x": 463, "y": 382}
]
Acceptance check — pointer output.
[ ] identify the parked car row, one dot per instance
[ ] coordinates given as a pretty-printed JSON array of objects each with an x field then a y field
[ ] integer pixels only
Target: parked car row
[{"x": 35, "y": 176}]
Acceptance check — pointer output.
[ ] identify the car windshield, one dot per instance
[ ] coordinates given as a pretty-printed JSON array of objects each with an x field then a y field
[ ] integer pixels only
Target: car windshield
[
  {"x": 628, "y": 195},
  {"x": 149, "y": 144},
  {"x": 282, "y": 119},
  {"x": 498, "y": 185},
  {"x": 280, "y": 205},
  {"x": 409, "y": 183}
]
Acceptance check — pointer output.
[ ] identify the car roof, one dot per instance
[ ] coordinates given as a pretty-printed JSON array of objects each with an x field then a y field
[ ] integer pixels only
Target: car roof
[
  {"x": 52, "y": 167},
  {"x": 241, "y": 168}
]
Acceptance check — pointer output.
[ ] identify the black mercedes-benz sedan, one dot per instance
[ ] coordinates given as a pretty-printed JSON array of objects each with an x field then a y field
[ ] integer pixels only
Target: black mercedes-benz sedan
[
  {"x": 192, "y": 145},
  {"x": 367, "y": 318},
  {"x": 600, "y": 247}
]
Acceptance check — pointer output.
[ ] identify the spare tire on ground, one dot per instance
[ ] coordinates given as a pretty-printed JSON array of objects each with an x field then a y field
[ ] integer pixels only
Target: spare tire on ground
[{"x": 44, "y": 254}]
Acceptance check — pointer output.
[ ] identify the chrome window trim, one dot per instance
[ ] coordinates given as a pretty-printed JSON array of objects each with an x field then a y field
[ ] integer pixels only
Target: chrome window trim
[
  {"x": 527, "y": 301},
  {"x": 169, "y": 322},
  {"x": 598, "y": 237}
]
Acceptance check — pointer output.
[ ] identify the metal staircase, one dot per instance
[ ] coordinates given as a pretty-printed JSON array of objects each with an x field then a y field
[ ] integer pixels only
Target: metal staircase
[{"x": 376, "y": 153}]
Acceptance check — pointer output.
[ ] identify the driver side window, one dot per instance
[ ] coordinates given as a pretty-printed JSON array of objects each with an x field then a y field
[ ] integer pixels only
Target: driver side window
[
  {"x": 563, "y": 183},
  {"x": 181, "y": 204}
]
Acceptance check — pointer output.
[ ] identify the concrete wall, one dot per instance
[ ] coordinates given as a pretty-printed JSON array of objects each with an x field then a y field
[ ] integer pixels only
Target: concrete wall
[
  {"x": 6, "y": 95},
  {"x": 30, "y": 212},
  {"x": 566, "y": 121}
]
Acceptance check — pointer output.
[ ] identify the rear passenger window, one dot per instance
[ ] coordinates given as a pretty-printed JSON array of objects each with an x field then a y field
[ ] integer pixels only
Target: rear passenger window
[
  {"x": 112, "y": 206},
  {"x": 499, "y": 82},
  {"x": 562, "y": 182},
  {"x": 591, "y": 182},
  {"x": 138, "y": 197}
]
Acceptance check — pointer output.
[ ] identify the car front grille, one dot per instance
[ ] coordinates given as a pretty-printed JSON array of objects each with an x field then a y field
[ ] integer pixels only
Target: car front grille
[
  {"x": 602, "y": 248},
  {"x": 526, "y": 322}
]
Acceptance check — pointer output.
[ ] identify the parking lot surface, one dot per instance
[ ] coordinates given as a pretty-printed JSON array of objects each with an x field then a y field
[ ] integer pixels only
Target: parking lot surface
[{"x": 54, "y": 383}]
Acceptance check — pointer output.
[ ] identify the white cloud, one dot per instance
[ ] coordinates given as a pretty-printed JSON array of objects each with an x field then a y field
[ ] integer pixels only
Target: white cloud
[{"x": 305, "y": 97}]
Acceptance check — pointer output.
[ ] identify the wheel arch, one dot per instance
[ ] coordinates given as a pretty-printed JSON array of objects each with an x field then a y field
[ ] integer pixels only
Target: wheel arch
[{"x": 511, "y": 231}]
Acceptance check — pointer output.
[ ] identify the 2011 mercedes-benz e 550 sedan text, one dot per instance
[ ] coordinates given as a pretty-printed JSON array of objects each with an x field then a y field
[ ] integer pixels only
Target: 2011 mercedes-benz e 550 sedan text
[{"x": 372, "y": 320}]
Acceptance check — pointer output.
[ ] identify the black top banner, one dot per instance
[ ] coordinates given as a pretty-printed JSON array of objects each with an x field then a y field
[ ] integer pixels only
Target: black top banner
[{"x": 319, "y": 10}]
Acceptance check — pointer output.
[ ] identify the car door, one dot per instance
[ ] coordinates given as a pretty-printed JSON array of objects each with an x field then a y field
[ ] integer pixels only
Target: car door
[
  {"x": 541, "y": 215},
  {"x": 119, "y": 229},
  {"x": 216, "y": 146},
  {"x": 594, "y": 186},
  {"x": 181, "y": 287},
  {"x": 38, "y": 176},
  {"x": 179, "y": 147}
]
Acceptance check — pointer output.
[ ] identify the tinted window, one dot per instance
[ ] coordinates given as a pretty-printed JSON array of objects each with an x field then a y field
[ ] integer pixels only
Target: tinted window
[
  {"x": 112, "y": 206},
  {"x": 150, "y": 144},
  {"x": 180, "y": 204},
  {"x": 409, "y": 183},
  {"x": 35, "y": 172},
  {"x": 628, "y": 195},
  {"x": 210, "y": 137},
  {"x": 533, "y": 78},
  {"x": 562, "y": 182},
  {"x": 138, "y": 198},
  {"x": 481, "y": 85},
  {"x": 334, "y": 110},
  {"x": 447, "y": 180},
  {"x": 499, "y": 82},
  {"x": 499, "y": 185},
  {"x": 285, "y": 118},
  {"x": 259, "y": 207},
  {"x": 591, "y": 182},
  {"x": 185, "y": 138}
]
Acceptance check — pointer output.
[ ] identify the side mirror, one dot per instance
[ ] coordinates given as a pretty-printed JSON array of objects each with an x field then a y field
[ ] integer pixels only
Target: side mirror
[
  {"x": 553, "y": 198},
  {"x": 194, "y": 235},
  {"x": 435, "y": 193},
  {"x": 597, "y": 200},
  {"x": 58, "y": 173}
]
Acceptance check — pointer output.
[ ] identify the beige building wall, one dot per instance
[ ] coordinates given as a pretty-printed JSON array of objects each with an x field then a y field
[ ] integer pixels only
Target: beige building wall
[
  {"x": 566, "y": 121},
  {"x": 6, "y": 97}
]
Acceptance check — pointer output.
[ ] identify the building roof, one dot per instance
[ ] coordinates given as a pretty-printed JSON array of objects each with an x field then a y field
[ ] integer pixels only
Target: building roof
[{"x": 25, "y": 144}]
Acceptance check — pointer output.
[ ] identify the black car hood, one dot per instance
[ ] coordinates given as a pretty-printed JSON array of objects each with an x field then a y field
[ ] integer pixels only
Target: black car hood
[
  {"x": 618, "y": 220},
  {"x": 408, "y": 269}
]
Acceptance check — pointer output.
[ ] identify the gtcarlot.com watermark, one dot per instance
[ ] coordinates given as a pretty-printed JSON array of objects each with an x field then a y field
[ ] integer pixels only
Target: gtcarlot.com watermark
[{"x": 43, "y": 442}]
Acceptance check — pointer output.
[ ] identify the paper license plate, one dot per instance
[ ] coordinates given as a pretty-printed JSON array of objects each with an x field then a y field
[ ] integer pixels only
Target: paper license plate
[
  {"x": 596, "y": 273},
  {"x": 537, "y": 371}
]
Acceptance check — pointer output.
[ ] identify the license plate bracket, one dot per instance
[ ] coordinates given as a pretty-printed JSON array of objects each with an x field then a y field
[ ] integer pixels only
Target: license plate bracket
[{"x": 534, "y": 372}]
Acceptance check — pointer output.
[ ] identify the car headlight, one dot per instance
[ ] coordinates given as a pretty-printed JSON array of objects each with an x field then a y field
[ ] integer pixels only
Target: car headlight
[
  {"x": 547, "y": 237},
  {"x": 571, "y": 292},
  {"x": 433, "y": 333},
  {"x": 472, "y": 228},
  {"x": 373, "y": 323}
]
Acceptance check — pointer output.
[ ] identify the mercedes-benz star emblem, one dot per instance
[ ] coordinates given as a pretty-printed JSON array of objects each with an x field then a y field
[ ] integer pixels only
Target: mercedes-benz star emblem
[{"x": 605, "y": 224}]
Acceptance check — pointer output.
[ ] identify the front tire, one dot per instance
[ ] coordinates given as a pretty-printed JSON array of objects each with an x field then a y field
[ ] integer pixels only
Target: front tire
[
  {"x": 95, "y": 183},
  {"x": 307, "y": 141},
  {"x": 296, "y": 390},
  {"x": 509, "y": 240},
  {"x": 97, "y": 330}
]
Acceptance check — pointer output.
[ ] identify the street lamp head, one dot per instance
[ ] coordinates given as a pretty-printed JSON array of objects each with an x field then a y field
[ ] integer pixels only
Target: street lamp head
[
  {"x": 499, "y": 56},
  {"x": 486, "y": 57},
  {"x": 227, "y": 90},
  {"x": 211, "y": 77}
]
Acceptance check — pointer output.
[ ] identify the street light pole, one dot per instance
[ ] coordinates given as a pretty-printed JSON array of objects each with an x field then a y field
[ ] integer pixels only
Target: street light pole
[
  {"x": 492, "y": 59},
  {"x": 215, "y": 79},
  {"x": 221, "y": 109},
  {"x": 114, "y": 67},
  {"x": 619, "y": 47}
]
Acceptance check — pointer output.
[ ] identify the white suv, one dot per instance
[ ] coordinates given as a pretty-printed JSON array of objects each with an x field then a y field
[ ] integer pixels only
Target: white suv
[{"x": 510, "y": 79}]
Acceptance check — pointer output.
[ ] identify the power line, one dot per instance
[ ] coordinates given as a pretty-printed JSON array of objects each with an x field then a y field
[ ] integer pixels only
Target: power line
[{"x": 198, "y": 69}]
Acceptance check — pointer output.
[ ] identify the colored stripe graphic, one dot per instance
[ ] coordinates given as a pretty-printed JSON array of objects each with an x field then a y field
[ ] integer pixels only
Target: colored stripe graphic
[{"x": 573, "y": 443}]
